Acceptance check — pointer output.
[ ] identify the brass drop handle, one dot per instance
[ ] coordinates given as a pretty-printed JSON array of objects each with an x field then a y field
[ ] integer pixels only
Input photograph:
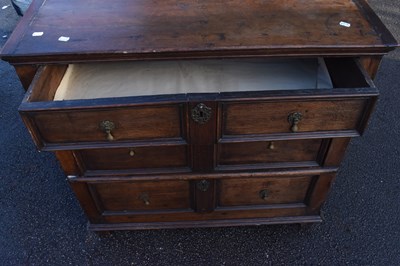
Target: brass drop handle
[
  {"x": 294, "y": 119},
  {"x": 145, "y": 198},
  {"x": 263, "y": 194},
  {"x": 107, "y": 126}
]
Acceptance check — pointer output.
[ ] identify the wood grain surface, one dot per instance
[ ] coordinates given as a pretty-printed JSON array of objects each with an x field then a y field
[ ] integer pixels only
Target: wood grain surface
[{"x": 167, "y": 28}]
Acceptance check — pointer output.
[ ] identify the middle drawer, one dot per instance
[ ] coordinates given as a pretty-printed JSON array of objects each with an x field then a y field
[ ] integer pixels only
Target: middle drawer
[
  {"x": 133, "y": 160},
  {"x": 271, "y": 154}
]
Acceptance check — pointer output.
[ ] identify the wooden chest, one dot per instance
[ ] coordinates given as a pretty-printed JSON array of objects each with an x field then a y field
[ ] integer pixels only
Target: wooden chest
[{"x": 169, "y": 114}]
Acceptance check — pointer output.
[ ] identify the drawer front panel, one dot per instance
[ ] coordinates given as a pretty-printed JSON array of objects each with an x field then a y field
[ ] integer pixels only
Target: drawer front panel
[
  {"x": 260, "y": 191},
  {"x": 140, "y": 196},
  {"x": 273, "y": 117},
  {"x": 135, "y": 157},
  {"x": 264, "y": 152},
  {"x": 130, "y": 123}
]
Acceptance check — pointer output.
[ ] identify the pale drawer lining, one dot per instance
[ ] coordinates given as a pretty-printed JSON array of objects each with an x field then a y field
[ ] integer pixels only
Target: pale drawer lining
[{"x": 120, "y": 79}]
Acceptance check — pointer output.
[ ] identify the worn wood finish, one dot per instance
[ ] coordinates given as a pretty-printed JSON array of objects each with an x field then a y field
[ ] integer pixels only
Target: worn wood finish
[
  {"x": 86, "y": 201},
  {"x": 371, "y": 64},
  {"x": 319, "y": 192},
  {"x": 26, "y": 73},
  {"x": 347, "y": 73},
  {"x": 262, "y": 191},
  {"x": 236, "y": 198},
  {"x": 202, "y": 135},
  {"x": 159, "y": 167},
  {"x": 203, "y": 194},
  {"x": 131, "y": 114},
  {"x": 243, "y": 118},
  {"x": 142, "y": 196},
  {"x": 336, "y": 151},
  {"x": 289, "y": 172},
  {"x": 208, "y": 223},
  {"x": 218, "y": 214},
  {"x": 134, "y": 157},
  {"x": 132, "y": 30},
  {"x": 45, "y": 83},
  {"x": 130, "y": 124},
  {"x": 69, "y": 163},
  {"x": 266, "y": 152}
]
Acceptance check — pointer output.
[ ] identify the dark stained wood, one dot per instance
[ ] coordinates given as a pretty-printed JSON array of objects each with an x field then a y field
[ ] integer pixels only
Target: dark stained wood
[
  {"x": 82, "y": 124},
  {"x": 375, "y": 22},
  {"x": 204, "y": 200},
  {"x": 293, "y": 95},
  {"x": 268, "y": 152},
  {"x": 218, "y": 214},
  {"x": 211, "y": 175},
  {"x": 281, "y": 190},
  {"x": 48, "y": 79},
  {"x": 336, "y": 151},
  {"x": 33, "y": 130},
  {"x": 68, "y": 163},
  {"x": 319, "y": 192},
  {"x": 272, "y": 117},
  {"x": 142, "y": 196},
  {"x": 134, "y": 157},
  {"x": 371, "y": 64},
  {"x": 182, "y": 173},
  {"x": 347, "y": 73},
  {"x": 20, "y": 30},
  {"x": 130, "y": 124},
  {"x": 203, "y": 137},
  {"x": 130, "y": 30},
  {"x": 209, "y": 223},
  {"x": 369, "y": 108},
  {"x": 26, "y": 73},
  {"x": 86, "y": 201}
]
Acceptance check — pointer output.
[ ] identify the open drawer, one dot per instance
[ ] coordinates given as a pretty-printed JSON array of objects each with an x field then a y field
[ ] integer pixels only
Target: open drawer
[
  {"x": 149, "y": 102},
  {"x": 342, "y": 111}
]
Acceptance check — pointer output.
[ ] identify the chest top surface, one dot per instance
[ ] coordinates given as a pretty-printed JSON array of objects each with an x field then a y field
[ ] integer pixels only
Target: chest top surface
[{"x": 147, "y": 29}]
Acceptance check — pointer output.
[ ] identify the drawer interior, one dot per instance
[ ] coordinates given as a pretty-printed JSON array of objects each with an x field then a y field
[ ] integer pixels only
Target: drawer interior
[
  {"x": 140, "y": 78},
  {"x": 117, "y": 79},
  {"x": 143, "y": 78}
]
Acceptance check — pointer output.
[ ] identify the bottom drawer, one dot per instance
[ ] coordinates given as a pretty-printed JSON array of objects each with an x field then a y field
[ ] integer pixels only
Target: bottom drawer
[
  {"x": 231, "y": 199},
  {"x": 140, "y": 196},
  {"x": 261, "y": 191}
]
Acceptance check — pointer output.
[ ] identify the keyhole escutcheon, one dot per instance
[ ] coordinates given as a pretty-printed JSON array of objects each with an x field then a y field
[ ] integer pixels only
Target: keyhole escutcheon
[{"x": 201, "y": 113}]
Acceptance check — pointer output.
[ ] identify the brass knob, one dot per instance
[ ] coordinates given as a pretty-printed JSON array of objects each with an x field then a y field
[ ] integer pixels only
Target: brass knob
[
  {"x": 271, "y": 145},
  {"x": 131, "y": 153},
  {"x": 145, "y": 198},
  {"x": 263, "y": 194},
  {"x": 107, "y": 126},
  {"x": 294, "y": 119}
]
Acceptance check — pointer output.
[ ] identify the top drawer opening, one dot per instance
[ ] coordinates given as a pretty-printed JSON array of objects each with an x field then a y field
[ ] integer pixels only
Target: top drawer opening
[{"x": 124, "y": 79}]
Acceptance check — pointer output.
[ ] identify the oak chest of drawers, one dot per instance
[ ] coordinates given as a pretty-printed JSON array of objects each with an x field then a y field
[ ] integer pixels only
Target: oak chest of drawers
[{"x": 171, "y": 114}]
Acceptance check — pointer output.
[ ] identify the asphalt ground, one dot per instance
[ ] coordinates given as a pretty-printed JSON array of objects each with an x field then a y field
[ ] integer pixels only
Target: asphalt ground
[{"x": 41, "y": 222}]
